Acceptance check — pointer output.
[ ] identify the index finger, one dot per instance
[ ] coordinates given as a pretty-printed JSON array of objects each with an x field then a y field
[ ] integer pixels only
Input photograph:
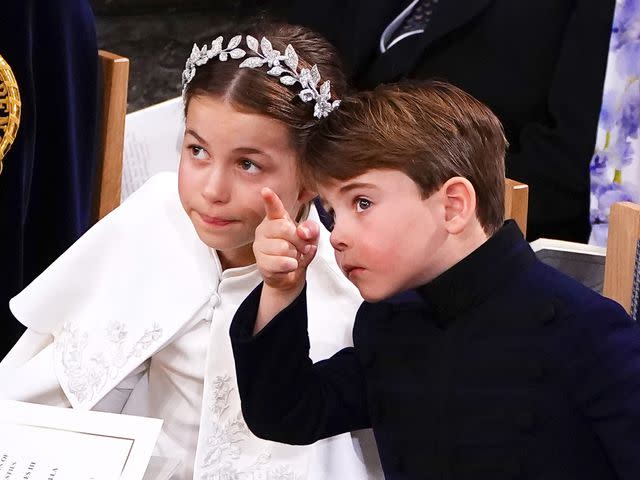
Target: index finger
[{"x": 273, "y": 205}]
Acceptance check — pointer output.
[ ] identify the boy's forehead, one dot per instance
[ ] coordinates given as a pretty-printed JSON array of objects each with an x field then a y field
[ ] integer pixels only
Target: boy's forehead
[
  {"x": 375, "y": 180},
  {"x": 331, "y": 189},
  {"x": 369, "y": 179}
]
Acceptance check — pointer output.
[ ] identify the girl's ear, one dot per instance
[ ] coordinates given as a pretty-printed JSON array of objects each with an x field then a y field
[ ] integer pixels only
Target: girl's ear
[
  {"x": 305, "y": 195},
  {"x": 459, "y": 198}
]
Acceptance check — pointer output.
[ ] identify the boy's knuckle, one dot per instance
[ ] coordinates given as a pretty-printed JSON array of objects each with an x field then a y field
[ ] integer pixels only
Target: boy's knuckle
[
  {"x": 284, "y": 229},
  {"x": 285, "y": 264},
  {"x": 285, "y": 248}
]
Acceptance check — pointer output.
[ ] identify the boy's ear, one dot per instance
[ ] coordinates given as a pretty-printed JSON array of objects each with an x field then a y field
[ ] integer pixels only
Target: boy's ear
[{"x": 459, "y": 203}]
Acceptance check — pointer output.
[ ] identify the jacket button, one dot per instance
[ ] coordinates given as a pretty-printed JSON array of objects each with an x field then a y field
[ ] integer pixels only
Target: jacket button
[{"x": 549, "y": 315}]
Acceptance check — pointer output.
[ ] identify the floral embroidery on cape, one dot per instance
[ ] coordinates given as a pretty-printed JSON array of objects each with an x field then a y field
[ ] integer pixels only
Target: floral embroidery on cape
[
  {"x": 225, "y": 433},
  {"x": 88, "y": 371}
]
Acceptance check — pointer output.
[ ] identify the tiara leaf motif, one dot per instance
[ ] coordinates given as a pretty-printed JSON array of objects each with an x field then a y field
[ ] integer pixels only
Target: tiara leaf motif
[
  {"x": 200, "y": 56},
  {"x": 265, "y": 54}
]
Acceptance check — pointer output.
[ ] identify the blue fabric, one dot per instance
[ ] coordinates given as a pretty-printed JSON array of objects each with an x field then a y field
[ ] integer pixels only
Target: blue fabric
[{"x": 46, "y": 186}]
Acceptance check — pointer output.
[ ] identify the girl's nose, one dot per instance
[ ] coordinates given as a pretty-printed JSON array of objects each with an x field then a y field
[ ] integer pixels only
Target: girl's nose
[{"x": 217, "y": 188}]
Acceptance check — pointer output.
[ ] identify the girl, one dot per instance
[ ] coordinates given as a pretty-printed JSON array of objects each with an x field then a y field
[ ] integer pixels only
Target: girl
[{"x": 134, "y": 318}]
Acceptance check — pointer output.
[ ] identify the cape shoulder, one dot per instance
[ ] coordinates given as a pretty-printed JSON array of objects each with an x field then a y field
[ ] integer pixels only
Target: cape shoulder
[{"x": 121, "y": 291}]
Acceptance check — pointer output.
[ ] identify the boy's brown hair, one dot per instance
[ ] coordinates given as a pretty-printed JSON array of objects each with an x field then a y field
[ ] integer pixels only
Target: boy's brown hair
[{"x": 431, "y": 131}]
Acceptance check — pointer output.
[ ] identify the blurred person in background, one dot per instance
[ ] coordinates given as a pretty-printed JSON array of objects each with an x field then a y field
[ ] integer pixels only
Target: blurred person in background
[
  {"x": 45, "y": 188},
  {"x": 539, "y": 65}
]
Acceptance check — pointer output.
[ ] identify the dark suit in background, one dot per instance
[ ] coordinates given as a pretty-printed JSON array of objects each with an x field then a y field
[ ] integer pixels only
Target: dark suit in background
[
  {"x": 45, "y": 189},
  {"x": 539, "y": 64}
]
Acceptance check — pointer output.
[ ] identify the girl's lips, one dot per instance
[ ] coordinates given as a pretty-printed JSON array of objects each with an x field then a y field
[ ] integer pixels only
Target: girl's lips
[{"x": 216, "y": 221}]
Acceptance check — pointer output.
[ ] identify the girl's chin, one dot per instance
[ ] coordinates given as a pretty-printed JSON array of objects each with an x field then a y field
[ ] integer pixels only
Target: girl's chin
[{"x": 237, "y": 251}]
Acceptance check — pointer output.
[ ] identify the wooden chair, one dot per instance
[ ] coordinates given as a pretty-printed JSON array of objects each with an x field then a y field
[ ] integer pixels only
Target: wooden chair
[
  {"x": 115, "y": 79},
  {"x": 622, "y": 264},
  {"x": 516, "y": 202}
]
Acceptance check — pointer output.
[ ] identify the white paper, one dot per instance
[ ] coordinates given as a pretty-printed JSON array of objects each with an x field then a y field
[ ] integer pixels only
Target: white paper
[
  {"x": 152, "y": 143},
  {"x": 47, "y": 443},
  {"x": 565, "y": 246}
]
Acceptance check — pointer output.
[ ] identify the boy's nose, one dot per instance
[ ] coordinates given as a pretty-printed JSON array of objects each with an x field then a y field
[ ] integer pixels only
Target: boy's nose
[{"x": 338, "y": 238}]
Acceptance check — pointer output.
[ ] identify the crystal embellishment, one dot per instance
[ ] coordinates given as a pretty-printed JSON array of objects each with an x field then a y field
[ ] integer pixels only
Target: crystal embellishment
[{"x": 280, "y": 65}]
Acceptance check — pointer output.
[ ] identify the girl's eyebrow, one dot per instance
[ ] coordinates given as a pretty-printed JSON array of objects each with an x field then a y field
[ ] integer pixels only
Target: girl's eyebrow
[
  {"x": 252, "y": 150},
  {"x": 249, "y": 150},
  {"x": 191, "y": 132}
]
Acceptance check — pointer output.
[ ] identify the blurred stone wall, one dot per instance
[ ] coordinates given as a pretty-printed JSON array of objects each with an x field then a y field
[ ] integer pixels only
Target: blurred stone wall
[
  {"x": 136, "y": 7},
  {"x": 157, "y": 37}
]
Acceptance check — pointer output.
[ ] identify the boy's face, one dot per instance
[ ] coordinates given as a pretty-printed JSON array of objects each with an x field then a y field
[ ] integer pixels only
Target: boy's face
[
  {"x": 227, "y": 157},
  {"x": 387, "y": 238}
]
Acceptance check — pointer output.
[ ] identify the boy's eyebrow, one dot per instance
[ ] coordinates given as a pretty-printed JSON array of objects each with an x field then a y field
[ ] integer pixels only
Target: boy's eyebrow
[
  {"x": 197, "y": 137},
  {"x": 351, "y": 186}
]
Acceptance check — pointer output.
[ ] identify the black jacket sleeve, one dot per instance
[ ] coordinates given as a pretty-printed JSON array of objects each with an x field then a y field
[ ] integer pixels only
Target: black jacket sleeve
[{"x": 285, "y": 397}]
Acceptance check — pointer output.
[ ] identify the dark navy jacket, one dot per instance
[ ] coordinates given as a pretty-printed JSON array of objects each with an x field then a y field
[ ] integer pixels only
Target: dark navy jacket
[
  {"x": 46, "y": 185},
  {"x": 504, "y": 368}
]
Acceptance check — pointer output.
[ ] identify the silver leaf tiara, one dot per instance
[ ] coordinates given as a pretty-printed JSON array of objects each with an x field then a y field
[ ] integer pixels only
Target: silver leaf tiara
[{"x": 283, "y": 66}]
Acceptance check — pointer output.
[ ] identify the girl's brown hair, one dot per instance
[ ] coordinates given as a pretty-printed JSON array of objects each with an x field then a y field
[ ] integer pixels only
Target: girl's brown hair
[
  {"x": 253, "y": 90},
  {"x": 431, "y": 131}
]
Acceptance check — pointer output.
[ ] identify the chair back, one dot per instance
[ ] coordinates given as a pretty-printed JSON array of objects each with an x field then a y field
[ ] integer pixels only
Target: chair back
[
  {"x": 622, "y": 264},
  {"x": 115, "y": 79},
  {"x": 516, "y": 202}
]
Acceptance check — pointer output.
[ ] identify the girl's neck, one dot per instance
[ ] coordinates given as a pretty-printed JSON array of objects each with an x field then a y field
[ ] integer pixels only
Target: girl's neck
[{"x": 238, "y": 257}]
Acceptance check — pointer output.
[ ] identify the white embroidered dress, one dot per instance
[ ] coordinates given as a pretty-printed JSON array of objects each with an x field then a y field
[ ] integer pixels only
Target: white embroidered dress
[{"x": 134, "y": 318}]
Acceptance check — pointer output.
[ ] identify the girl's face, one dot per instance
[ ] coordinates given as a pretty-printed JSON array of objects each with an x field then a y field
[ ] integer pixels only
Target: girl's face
[{"x": 227, "y": 157}]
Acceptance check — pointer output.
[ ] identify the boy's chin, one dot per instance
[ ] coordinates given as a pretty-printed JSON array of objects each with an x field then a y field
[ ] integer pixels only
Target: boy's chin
[{"x": 373, "y": 295}]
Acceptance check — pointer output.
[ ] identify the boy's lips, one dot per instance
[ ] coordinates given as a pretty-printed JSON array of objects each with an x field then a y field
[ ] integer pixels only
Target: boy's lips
[{"x": 350, "y": 270}]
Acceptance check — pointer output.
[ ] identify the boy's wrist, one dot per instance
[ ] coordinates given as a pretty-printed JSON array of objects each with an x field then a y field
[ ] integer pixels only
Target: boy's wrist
[{"x": 273, "y": 301}]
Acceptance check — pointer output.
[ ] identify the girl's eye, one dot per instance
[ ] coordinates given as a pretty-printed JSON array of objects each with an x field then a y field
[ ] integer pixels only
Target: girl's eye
[
  {"x": 249, "y": 166},
  {"x": 362, "y": 204},
  {"x": 198, "y": 152}
]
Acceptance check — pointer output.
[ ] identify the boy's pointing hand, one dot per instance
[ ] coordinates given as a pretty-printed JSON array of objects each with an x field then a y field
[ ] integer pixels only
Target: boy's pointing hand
[{"x": 283, "y": 250}]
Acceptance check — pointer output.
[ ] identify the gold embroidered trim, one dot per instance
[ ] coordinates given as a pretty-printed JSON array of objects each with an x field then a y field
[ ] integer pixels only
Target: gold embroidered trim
[{"x": 9, "y": 109}]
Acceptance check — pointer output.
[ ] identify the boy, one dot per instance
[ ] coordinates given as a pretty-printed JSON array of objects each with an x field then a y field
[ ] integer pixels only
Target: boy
[{"x": 503, "y": 367}]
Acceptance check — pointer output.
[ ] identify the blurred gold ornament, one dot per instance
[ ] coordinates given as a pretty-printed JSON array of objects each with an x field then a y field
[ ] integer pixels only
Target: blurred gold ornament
[{"x": 9, "y": 108}]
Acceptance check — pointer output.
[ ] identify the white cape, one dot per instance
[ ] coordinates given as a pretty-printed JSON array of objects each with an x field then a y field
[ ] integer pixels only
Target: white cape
[{"x": 125, "y": 290}]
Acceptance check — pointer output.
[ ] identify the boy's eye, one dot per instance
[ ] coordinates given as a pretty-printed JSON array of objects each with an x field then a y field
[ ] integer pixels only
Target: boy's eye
[
  {"x": 249, "y": 166},
  {"x": 362, "y": 204}
]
